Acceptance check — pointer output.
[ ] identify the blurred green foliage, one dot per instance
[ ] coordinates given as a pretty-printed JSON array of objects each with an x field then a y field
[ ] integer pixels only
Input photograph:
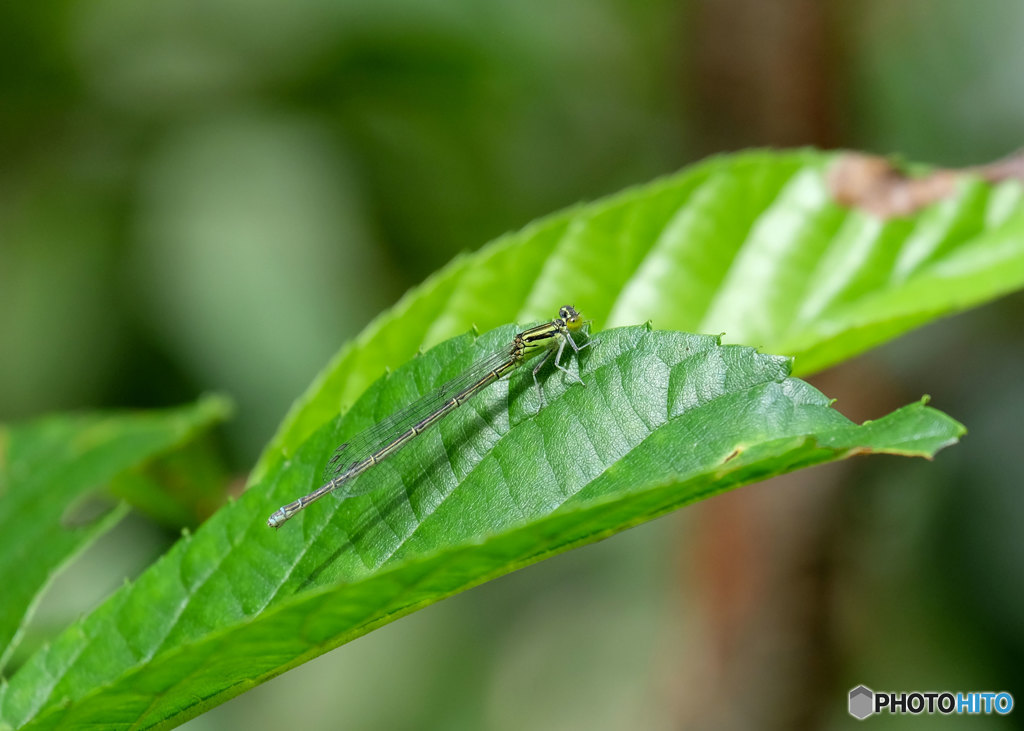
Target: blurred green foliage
[{"x": 203, "y": 195}]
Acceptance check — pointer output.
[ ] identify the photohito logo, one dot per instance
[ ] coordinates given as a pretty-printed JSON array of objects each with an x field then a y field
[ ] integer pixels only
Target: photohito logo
[{"x": 865, "y": 702}]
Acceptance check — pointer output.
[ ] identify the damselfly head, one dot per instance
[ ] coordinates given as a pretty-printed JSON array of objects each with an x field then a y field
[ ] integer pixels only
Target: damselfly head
[{"x": 570, "y": 317}]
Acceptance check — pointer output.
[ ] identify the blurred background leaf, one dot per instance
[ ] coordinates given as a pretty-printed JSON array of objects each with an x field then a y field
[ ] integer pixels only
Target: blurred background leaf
[
  {"x": 54, "y": 478},
  {"x": 179, "y": 179}
]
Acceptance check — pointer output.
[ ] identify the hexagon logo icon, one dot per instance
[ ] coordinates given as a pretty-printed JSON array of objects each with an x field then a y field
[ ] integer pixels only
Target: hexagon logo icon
[{"x": 862, "y": 702}]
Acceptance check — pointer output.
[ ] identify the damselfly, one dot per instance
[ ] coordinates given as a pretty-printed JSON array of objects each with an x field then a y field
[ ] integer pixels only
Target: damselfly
[{"x": 372, "y": 446}]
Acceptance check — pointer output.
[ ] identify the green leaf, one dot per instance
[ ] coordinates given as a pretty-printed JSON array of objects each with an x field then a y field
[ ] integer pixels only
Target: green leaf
[
  {"x": 749, "y": 245},
  {"x": 52, "y": 471},
  {"x": 178, "y": 488},
  {"x": 665, "y": 419}
]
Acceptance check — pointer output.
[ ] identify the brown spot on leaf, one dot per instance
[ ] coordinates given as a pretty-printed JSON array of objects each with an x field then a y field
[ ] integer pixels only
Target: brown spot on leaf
[{"x": 875, "y": 185}]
